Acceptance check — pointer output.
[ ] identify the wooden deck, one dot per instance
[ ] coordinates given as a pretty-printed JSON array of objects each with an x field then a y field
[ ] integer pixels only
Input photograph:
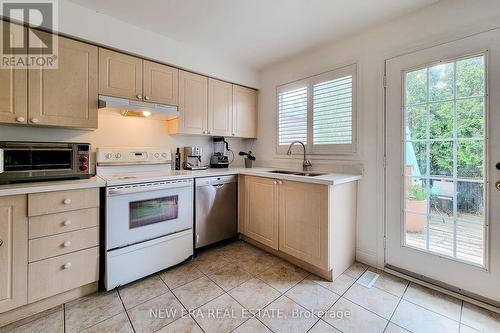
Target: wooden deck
[{"x": 470, "y": 239}]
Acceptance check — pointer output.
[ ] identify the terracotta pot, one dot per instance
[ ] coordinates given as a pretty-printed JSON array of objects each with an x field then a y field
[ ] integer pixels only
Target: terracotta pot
[{"x": 416, "y": 223}]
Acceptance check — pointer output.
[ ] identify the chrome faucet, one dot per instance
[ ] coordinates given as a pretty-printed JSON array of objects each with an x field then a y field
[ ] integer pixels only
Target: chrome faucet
[{"x": 306, "y": 164}]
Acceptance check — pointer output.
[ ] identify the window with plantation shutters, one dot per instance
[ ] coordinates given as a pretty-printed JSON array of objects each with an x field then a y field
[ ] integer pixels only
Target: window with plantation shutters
[{"x": 319, "y": 111}]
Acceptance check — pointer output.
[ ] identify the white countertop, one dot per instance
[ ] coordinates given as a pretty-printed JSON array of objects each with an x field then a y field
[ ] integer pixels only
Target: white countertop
[
  {"x": 325, "y": 178},
  {"x": 60, "y": 185}
]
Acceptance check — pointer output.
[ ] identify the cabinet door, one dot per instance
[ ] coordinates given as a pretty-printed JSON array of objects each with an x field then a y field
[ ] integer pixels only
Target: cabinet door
[
  {"x": 66, "y": 96},
  {"x": 193, "y": 102},
  {"x": 220, "y": 107},
  {"x": 303, "y": 221},
  {"x": 261, "y": 210},
  {"x": 13, "y": 252},
  {"x": 120, "y": 75},
  {"x": 244, "y": 112},
  {"x": 161, "y": 83},
  {"x": 13, "y": 84}
]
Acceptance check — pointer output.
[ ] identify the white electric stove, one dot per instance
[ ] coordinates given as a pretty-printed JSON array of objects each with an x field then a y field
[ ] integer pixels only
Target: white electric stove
[{"x": 149, "y": 213}]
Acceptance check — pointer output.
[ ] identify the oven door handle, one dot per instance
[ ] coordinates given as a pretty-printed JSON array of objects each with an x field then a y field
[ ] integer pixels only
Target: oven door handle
[
  {"x": 1, "y": 160},
  {"x": 121, "y": 191}
]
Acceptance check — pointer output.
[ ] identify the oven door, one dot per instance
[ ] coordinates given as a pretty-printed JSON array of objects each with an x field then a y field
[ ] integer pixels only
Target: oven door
[{"x": 140, "y": 212}]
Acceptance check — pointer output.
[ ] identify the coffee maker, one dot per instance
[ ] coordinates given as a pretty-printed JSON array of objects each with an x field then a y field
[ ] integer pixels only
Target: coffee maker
[
  {"x": 192, "y": 158},
  {"x": 219, "y": 159}
]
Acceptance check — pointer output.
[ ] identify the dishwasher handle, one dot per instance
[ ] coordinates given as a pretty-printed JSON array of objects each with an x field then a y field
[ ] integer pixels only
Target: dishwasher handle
[{"x": 218, "y": 186}]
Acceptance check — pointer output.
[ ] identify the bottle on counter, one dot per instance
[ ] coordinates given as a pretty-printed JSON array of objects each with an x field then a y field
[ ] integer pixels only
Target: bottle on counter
[{"x": 178, "y": 159}]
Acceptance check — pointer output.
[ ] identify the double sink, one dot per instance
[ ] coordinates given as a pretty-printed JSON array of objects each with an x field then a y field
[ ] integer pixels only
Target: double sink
[{"x": 298, "y": 173}]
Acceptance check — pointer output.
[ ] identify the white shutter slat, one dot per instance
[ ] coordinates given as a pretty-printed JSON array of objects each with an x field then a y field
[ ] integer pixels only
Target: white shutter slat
[
  {"x": 332, "y": 111},
  {"x": 292, "y": 116}
]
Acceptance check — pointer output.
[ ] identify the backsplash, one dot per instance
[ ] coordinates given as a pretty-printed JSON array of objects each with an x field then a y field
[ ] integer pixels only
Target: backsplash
[{"x": 116, "y": 130}]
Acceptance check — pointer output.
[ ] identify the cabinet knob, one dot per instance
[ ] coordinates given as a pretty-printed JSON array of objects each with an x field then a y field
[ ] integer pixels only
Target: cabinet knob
[
  {"x": 280, "y": 182},
  {"x": 67, "y": 223},
  {"x": 497, "y": 185},
  {"x": 67, "y": 244},
  {"x": 204, "y": 132},
  {"x": 146, "y": 98},
  {"x": 139, "y": 96},
  {"x": 35, "y": 120},
  {"x": 67, "y": 265},
  {"x": 67, "y": 201},
  {"x": 20, "y": 119},
  {"x": 275, "y": 182},
  {"x": 232, "y": 134}
]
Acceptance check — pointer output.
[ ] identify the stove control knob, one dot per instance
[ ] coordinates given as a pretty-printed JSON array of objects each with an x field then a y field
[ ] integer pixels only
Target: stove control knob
[
  {"x": 164, "y": 155},
  {"x": 84, "y": 159},
  {"x": 157, "y": 155},
  {"x": 108, "y": 156},
  {"x": 83, "y": 168},
  {"x": 118, "y": 155}
]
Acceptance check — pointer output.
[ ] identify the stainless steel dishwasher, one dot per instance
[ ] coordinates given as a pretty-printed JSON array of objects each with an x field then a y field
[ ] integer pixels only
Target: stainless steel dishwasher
[{"x": 215, "y": 209}]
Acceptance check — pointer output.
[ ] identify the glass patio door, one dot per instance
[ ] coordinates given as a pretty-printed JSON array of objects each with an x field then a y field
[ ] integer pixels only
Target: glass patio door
[{"x": 441, "y": 209}]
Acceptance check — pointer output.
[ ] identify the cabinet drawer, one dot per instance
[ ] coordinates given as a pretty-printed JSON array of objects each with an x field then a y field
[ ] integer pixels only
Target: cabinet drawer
[
  {"x": 52, "y": 224},
  {"x": 56, "y": 275},
  {"x": 51, "y": 246},
  {"x": 62, "y": 201}
]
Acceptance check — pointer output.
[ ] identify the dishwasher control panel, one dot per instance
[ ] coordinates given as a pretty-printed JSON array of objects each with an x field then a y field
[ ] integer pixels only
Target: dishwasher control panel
[{"x": 217, "y": 180}]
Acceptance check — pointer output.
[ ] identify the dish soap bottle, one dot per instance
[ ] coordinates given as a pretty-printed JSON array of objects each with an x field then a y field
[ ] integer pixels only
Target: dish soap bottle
[{"x": 178, "y": 159}]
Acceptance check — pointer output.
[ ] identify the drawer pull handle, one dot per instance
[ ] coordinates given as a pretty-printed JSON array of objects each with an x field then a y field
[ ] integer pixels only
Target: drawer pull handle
[
  {"x": 67, "y": 223},
  {"x": 67, "y": 201},
  {"x": 67, "y": 244},
  {"x": 67, "y": 265}
]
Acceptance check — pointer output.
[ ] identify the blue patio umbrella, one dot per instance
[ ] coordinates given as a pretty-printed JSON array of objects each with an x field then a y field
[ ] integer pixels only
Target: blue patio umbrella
[{"x": 410, "y": 157}]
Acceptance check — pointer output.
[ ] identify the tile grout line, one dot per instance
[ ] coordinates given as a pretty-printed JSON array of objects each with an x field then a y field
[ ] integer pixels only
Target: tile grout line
[
  {"x": 395, "y": 309},
  {"x": 125, "y": 309}
]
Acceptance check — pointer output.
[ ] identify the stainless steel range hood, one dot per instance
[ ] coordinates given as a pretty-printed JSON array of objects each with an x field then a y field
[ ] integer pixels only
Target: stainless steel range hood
[{"x": 128, "y": 107}]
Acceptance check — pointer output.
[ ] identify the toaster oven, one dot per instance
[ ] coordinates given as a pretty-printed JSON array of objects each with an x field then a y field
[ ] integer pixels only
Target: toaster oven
[{"x": 38, "y": 161}]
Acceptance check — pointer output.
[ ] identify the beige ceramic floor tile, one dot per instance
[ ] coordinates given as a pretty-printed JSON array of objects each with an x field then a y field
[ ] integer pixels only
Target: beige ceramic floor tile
[
  {"x": 433, "y": 300},
  {"x": 393, "y": 328},
  {"x": 481, "y": 319},
  {"x": 284, "y": 315},
  {"x": 197, "y": 292},
  {"x": 141, "y": 291},
  {"x": 349, "y": 317},
  {"x": 90, "y": 310},
  {"x": 420, "y": 320},
  {"x": 356, "y": 270},
  {"x": 185, "y": 324},
  {"x": 283, "y": 276},
  {"x": 46, "y": 313},
  {"x": 254, "y": 294},
  {"x": 390, "y": 283},
  {"x": 252, "y": 326},
  {"x": 221, "y": 315},
  {"x": 239, "y": 250},
  {"x": 373, "y": 299},
  {"x": 180, "y": 275},
  {"x": 230, "y": 276},
  {"x": 256, "y": 264},
  {"x": 322, "y": 327},
  {"x": 116, "y": 324},
  {"x": 467, "y": 329},
  {"x": 338, "y": 286},
  {"x": 210, "y": 261},
  {"x": 166, "y": 307},
  {"x": 53, "y": 323},
  {"x": 312, "y": 296}
]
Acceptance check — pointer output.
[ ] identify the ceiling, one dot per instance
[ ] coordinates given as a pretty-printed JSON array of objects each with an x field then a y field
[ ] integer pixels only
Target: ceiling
[{"x": 255, "y": 33}]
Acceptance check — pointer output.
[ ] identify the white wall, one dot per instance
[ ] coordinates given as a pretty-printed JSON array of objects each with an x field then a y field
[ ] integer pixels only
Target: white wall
[{"x": 443, "y": 21}]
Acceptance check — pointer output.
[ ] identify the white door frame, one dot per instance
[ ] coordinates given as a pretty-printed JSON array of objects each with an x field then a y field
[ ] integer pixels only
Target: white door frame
[{"x": 469, "y": 45}]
